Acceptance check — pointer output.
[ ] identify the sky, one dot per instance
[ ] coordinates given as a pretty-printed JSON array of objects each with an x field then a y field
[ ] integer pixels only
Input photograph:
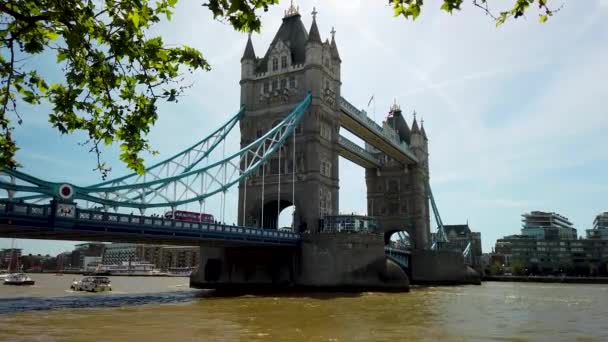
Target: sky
[{"x": 516, "y": 116}]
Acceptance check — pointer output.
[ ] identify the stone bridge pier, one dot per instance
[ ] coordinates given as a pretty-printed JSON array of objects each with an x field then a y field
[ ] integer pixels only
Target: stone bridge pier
[{"x": 245, "y": 268}]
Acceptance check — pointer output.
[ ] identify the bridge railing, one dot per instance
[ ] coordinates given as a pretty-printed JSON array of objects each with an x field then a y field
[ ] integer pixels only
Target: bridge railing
[
  {"x": 71, "y": 213},
  {"x": 371, "y": 124},
  {"x": 400, "y": 256}
]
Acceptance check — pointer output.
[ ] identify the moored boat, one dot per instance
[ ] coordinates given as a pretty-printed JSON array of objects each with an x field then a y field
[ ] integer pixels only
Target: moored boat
[
  {"x": 18, "y": 279},
  {"x": 92, "y": 284}
]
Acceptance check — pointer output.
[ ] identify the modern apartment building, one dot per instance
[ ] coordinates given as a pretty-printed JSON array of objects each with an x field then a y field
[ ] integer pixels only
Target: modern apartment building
[
  {"x": 600, "y": 227},
  {"x": 547, "y": 226},
  {"x": 548, "y": 244}
]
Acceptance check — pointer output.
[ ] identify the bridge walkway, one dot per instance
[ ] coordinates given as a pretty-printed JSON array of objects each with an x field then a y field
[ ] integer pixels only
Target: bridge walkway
[
  {"x": 68, "y": 222},
  {"x": 358, "y": 123}
]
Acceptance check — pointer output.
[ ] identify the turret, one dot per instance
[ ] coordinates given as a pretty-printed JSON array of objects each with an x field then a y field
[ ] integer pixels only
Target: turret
[
  {"x": 417, "y": 142},
  {"x": 398, "y": 123},
  {"x": 314, "y": 45},
  {"x": 335, "y": 56},
  {"x": 425, "y": 144},
  {"x": 416, "y": 135},
  {"x": 248, "y": 60},
  {"x": 334, "y": 48}
]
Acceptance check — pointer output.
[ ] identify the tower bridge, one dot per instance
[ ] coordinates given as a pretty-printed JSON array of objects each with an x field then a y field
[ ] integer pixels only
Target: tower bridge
[{"x": 292, "y": 111}]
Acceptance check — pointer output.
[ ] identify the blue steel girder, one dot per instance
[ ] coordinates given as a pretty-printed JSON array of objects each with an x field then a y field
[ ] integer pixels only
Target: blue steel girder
[
  {"x": 357, "y": 154},
  {"x": 187, "y": 185},
  {"x": 357, "y": 122},
  {"x": 441, "y": 235},
  {"x": 181, "y": 162}
]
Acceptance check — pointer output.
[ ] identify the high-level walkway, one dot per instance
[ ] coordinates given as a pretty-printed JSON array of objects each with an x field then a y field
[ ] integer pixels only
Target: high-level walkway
[{"x": 357, "y": 122}]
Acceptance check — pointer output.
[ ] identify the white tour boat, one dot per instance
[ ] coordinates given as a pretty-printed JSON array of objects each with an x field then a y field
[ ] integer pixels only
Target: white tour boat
[
  {"x": 18, "y": 279},
  {"x": 92, "y": 284}
]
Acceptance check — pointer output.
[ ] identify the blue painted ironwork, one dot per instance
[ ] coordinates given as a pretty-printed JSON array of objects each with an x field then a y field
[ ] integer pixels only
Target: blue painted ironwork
[
  {"x": 399, "y": 256},
  {"x": 441, "y": 236},
  {"x": 67, "y": 218},
  {"x": 181, "y": 162},
  {"x": 187, "y": 183},
  {"x": 468, "y": 254}
]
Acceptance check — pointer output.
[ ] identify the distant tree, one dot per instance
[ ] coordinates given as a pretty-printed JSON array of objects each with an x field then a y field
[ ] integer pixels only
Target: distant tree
[
  {"x": 517, "y": 267},
  {"x": 114, "y": 71},
  {"x": 496, "y": 269}
]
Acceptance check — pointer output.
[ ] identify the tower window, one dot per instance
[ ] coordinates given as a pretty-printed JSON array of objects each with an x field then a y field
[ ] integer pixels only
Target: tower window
[
  {"x": 283, "y": 83},
  {"x": 292, "y": 82},
  {"x": 283, "y": 62},
  {"x": 275, "y": 64}
]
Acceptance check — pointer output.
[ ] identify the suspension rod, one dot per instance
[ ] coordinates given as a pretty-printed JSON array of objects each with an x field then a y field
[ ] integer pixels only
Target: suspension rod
[
  {"x": 279, "y": 191},
  {"x": 293, "y": 182},
  {"x": 263, "y": 176}
]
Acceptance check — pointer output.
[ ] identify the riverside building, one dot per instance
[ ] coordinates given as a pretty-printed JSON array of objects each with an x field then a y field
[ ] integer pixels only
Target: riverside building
[
  {"x": 547, "y": 226},
  {"x": 548, "y": 245},
  {"x": 600, "y": 227}
]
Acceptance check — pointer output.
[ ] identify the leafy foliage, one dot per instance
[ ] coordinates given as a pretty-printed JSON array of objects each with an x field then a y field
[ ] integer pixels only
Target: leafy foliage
[
  {"x": 114, "y": 73},
  {"x": 517, "y": 267},
  {"x": 496, "y": 269},
  {"x": 240, "y": 13},
  {"x": 412, "y": 8}
]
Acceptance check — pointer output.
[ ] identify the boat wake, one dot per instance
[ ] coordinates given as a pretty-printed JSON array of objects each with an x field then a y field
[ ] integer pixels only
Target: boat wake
[{"x": 23, "y": 304}]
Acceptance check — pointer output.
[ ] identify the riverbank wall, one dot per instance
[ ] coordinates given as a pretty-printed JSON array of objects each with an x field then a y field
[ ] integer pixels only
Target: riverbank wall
[{"x": 542, "y": 279}]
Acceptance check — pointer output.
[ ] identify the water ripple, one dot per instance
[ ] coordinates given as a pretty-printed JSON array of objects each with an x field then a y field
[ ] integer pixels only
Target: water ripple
[{"x": 22, "y": 304}]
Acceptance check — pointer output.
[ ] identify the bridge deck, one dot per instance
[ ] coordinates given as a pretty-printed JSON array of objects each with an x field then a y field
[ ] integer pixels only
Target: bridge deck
[
  {"x": 29, "y": 221},
  {"x": 355, "y": 121}
]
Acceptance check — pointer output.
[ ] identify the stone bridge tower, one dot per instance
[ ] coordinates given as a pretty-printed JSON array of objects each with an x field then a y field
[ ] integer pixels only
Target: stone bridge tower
[
  {"x": 397, "y": 195},
  {"x": 296, "y": 62}
]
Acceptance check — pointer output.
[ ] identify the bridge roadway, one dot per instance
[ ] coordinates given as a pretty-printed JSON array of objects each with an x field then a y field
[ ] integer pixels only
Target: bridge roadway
[
  {"x": 68, "y": 222},
  {"x": 358, "y": 123}
]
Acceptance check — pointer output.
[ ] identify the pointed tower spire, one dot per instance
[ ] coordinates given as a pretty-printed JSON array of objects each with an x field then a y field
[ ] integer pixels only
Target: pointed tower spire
[
  {"x": 314, "y": 35},
  {"x": 334, "y": 47},
  {"x": 292, "y": 10},
  {"x": 249, "y": 53},
  {"x": 422, "y": 130},
  {"x": 415, "y": 128}
]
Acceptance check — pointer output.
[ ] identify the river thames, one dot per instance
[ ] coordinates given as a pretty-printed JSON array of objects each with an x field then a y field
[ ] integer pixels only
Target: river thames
[{"x": 165, "y": 309}]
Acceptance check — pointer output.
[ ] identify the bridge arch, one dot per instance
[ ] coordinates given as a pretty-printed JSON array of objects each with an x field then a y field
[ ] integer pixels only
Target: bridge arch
[
  {"x": 398, "y": 238},
  {"x": 274, "y": 208},
  {"x": 397, "y": 248}
]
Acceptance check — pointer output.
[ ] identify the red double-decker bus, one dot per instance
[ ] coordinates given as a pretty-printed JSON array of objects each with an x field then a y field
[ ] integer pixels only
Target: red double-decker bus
[{"x": 189, "y": 216}]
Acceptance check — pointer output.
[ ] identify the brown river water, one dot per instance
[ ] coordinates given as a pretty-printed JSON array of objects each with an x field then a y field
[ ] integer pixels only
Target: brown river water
[{"x": 165, "y": 309}]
